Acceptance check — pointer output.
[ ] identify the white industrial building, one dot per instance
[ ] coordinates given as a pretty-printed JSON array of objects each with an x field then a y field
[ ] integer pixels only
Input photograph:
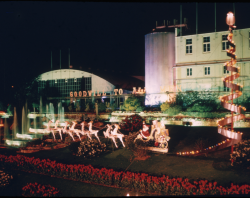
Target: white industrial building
[{"x": 192, "y": 62}]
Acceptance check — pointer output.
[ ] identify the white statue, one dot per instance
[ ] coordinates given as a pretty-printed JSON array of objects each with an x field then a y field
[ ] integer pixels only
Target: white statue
[
  {"x": 93, "y": 131},
  {"x": 65, "y": 130},
  {"x": 107, "y": 134},
  {"x": 56, "y": 129},
  {"x": 116, "y": 134}
]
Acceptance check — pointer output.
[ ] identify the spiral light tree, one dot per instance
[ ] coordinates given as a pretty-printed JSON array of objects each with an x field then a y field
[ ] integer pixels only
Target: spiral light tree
[{"x": 224, "y": 127}]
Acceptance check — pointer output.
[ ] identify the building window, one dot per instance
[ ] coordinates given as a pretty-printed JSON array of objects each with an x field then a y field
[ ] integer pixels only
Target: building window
[
  {"x": 188, "y": 46},
  {"x": 207, "y": 70},
  {"x": 189, "y": 71},
  {"x": 206, "y": 44},
  {"x": 225, "y": 44},
  {"x": 225, "y": 70},
  {"x": 88, "y": 84},
  {"x": 226, "y": 88}
]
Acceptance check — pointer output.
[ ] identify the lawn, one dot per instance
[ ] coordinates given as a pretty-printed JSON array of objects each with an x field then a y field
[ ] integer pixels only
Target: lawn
[{"x": 214, "y": 167}]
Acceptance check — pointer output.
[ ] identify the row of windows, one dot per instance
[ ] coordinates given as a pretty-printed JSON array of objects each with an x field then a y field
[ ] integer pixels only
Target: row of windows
[
  {"x": 65, "y": 86},
  {"x": 206, "y": 71},
  {"x": 206, "y": 44}
]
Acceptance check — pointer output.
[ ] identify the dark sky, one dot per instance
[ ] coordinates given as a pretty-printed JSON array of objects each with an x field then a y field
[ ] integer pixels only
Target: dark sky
[{"x": 100, "y": 35}]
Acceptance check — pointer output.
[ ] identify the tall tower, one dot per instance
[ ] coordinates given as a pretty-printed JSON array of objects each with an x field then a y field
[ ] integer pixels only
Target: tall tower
[{"x": 159, "y": 62}]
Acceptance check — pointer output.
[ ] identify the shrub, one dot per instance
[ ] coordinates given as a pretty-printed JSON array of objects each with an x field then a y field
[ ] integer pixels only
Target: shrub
[
  {"x": 4, "y": 178},
  {"x": 173, "y": 110},
  {"x": 200, "y": 108},
  {"x": 201, "y": 144},
  {"x": 78, "y": 107},
  {"x": 101, "y": 107},
  {"x": 165, "y": 106},
  {"x": 140, "y": 109},
  {"x": 241, "y": 154},
  {"x": 131, "y": 104},
  {"x": 91, "y": 148},
  {"x": 139, "y": 148},
  {"x": 132, "y": 123},
  {"x": 38, "y": 190},
  {"x": 87, "y": 107}
]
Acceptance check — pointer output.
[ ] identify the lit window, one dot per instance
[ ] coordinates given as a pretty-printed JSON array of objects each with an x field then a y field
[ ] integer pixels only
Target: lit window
[
  {"x": 226, "y": 88},
  {"x": 225, "y": 44},
  {"x": 75, "y": 80},
  {"x": 207, "y": 70},
  {"x": 188, "y": 46},
  {"x": 55, "y": 80},
  {"x": 189, "y": 71},
  {"x": 206, "y": 44},
  {"x": 225, "y": 70},
  {"x": 88, "y": 84},
  {"x": 66, "y": 80}
]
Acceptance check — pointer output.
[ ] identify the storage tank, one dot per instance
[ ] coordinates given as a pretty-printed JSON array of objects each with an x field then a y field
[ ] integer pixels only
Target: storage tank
[{"x": 159, "y": 62}]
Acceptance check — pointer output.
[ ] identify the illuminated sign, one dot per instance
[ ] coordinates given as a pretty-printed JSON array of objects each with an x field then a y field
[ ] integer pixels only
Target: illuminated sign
[{"x": 116, "y": 91}]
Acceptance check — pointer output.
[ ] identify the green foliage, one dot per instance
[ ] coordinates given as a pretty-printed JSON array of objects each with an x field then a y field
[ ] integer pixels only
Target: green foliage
[
  {"x": 173, "y": 110},
  {"x": 205, "y": 114},
  {"x": 78, "y": 107},
  {"x": 200, "y": 108},
  {"x": 70, "y": 108},
  {"x": 198, "y": 102},
  {"x": 131, "y": 104},
  {"x": 35, "y": 105},
  {"x": 87, "y": 107},
  {"x": 113, "y": 107},
  {"x": 246, "y": 103},
  {"x": 26, "y": 91},
  {"x": 101, "y": 107},
  {"x": 165, "y": 106},
  {"x": 140, "y": 109},
  {"x": 10, "y": 109}
]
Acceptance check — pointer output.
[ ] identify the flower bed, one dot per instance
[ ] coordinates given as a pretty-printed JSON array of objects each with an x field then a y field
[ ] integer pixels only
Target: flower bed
[
  {"x": 129, "y": 180},
  {"x": 38, "y": 190},
  {"x": 91, "y": 148},
  {"x": 241, "y": 154},
  {"x": 4, "y": 178}
]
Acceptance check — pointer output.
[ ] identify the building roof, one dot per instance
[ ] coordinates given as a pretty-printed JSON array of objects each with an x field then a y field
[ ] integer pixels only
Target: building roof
[{"x": 122, "y": 81}]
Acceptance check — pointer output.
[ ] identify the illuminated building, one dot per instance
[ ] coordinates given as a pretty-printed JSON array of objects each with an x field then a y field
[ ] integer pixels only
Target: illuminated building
[{"x": 192, "y": 62}]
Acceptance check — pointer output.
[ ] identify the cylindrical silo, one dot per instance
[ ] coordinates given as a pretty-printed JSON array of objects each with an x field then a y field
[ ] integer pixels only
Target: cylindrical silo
[{"x": 159, "y": 62}]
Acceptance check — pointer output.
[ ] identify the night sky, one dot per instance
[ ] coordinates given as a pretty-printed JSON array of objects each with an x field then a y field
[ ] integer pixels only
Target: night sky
[{"x": 101, "y": 36}]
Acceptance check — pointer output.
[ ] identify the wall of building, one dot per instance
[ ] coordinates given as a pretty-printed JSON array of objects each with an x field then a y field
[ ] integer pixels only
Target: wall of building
[{"x": 215, "y": 59}]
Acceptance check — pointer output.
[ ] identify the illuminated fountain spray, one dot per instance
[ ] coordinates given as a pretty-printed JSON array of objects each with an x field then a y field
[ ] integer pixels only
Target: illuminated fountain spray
[
  {"x": 24, "y": 121},
  {"x": 235, "y": 90},
  {"x": 51, "y": 111},
  {"x": 14, "y": 129},
  {"x": 6, "y": 129}
]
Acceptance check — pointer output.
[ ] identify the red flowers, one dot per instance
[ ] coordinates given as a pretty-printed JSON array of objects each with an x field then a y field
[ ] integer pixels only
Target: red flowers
[
  {"x": 38, "y": 190},
  {"x": 137, "y": 181}
]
